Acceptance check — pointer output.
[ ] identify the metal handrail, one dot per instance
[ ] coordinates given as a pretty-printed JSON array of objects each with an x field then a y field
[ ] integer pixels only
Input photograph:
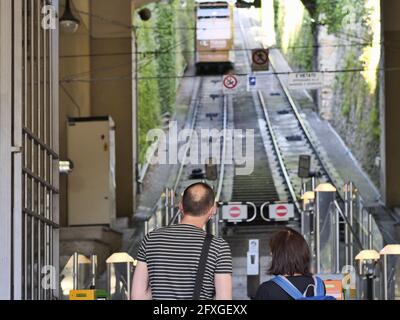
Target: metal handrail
[
  {"x": 262, "y": 212},
  {"x": 222, "y": 168},
  {"x": 316, "y": 153},
  {"x": 223, "y": 155},
  {"x": 196, "y": 104},
  {"x": 271, "y": 132},
  {"x": 255, "y": 212},
  {"x": 349, "y": 225},
  {"x": 278, "y": 153},
  {"x": 307, "y": 134}
]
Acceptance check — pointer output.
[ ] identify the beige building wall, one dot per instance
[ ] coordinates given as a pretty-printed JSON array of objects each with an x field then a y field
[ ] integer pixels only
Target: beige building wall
[
  {"x": 96, "y": 71},
  {"x": 74, "y": 95},
  {"x": 111, "y": 47}
]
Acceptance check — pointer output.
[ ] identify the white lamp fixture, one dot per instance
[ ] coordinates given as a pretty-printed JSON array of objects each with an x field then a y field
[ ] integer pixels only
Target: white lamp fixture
[
  {"x": 68, "y": 22},
  {"x": 325, "y": 187},
  {"x": 390, "y": 249},
  {"x": 367, "y": 261},
  {"x": 65, "y": 166},
  {"x": 368, "y": 255},
  {"x": 120, "y": 257},
  {"x": 308, "y": 197}
]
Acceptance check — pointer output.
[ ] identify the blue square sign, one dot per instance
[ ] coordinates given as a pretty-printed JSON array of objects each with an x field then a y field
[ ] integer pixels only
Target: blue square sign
[{"x": 252, "y": 81}]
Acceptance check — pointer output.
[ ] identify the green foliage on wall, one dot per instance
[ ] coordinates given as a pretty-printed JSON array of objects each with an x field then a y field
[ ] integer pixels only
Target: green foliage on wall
[
  {"x": 353, "y": 107},
  {"x": 166, "y": 44},
  {"x": 148, "y": 104},
  {"x": 356, "y": 96},
  {"x": 335, "y": 14},
  {"x": 298, "y": 46}
]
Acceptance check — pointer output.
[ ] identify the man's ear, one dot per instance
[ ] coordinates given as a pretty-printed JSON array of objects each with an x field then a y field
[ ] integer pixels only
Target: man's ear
[
  {"x": 213, "y": 210},
  {"x": 180, "y": 207}
]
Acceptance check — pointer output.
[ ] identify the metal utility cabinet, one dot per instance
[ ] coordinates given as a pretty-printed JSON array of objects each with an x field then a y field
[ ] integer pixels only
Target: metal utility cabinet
[{"x": 91, "y": 185}]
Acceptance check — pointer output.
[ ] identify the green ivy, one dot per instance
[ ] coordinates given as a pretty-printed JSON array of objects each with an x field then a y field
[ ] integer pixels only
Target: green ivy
[
  {"x": 168, "y": 37},
  {"x": 300, "y": 53},
  {"x": 334, "y": 13}
]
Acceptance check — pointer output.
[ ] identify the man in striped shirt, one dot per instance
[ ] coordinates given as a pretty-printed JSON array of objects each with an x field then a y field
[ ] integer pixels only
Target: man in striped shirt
[{"x": 168, "y": 258}]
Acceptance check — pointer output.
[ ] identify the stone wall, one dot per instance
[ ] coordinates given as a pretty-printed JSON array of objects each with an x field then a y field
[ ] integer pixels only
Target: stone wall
[
  {"x": 350, "y": 98},
  {"x": 349, "y": 52}
]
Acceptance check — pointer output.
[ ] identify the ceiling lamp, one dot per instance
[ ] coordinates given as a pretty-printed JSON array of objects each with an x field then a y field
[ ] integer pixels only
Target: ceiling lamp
[
  {"x": 145, "y": 14},
  {"x": 68, "y": 22}
]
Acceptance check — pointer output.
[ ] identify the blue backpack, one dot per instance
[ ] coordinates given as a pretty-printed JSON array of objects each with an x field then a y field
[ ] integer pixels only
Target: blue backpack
[{"x": 295, "y": 293}]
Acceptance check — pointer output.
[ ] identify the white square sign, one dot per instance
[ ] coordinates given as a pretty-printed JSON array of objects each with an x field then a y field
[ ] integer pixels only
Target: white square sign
[
  {"x": 254, "y": 245},
  {"x": 306, "y": 80},
  {"x": 257, "y": 82}
]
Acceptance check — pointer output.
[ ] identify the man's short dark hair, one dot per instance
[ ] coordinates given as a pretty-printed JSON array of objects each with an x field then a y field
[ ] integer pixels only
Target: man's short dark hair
[
  {"x": 290, "y": 254},
  {"x": 198, "y": 199}
]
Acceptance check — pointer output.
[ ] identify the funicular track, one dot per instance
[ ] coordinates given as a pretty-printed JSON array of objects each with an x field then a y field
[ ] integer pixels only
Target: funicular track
[
  {"x": 209, "y": 110},
  {"x": 287, "y": 131}
]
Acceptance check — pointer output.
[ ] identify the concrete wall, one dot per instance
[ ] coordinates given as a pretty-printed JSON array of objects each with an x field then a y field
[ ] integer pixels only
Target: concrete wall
[
  {"x": 391, "y": 112},
  {"x": 92, "y": 59},
  {"x": 111, "y": 47},
  {"x": 74, "y": 96}
]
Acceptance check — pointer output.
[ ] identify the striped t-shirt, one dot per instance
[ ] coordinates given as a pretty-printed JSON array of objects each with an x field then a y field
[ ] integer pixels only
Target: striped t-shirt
[{"x": 172, "y": 255}]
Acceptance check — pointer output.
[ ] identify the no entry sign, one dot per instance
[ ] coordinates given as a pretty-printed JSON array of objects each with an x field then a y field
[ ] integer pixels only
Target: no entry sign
[
  {"x": 234, "y": 212},
  {"x": 281, "y": 212}
]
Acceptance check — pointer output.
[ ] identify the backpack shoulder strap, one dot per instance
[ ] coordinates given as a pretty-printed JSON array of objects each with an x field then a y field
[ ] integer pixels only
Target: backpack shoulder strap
[
  {"x": 288, "y": 287},
  {"x": 202, "y": 266},
  {"x": 319, "y": 287}
]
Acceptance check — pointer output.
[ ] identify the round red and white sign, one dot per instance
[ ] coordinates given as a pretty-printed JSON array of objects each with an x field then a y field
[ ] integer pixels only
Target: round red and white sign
[
  {"x": 234, "y": 212},
  {"x": 281, "y": 211},
  {"x": 230, "y": 82}
]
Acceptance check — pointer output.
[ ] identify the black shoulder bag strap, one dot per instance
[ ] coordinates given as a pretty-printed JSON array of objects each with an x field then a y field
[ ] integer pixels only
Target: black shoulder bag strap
[{"x": 202, "y": 267}]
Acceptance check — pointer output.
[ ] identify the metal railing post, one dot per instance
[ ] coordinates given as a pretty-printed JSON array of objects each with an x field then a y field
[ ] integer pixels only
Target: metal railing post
[
  {"x": 370, "y": 235},
  {"x": 317, "y": 237},
  {"x": 93, "y": 270},
  {"x": 172, "y": 203},
  {"x": 75, "y": 267},
  {"x": 166, "y": 206},
  {"x": 128, "y": 280},
  {"x": 337, "y": 241},
  {"x": 346, "y": 228},
  {"x": 385, "y": 278},
  {"x": 351, "y": 201}
]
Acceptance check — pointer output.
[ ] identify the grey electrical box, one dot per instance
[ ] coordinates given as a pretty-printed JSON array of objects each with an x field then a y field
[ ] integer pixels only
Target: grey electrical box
[{"x": 91, "y": 184}]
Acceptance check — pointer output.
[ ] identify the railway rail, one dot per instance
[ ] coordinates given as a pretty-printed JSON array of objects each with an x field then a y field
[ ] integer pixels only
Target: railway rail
[
  {"x": 288, "y": 134},
  {"x": 206, "y": 100}
]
